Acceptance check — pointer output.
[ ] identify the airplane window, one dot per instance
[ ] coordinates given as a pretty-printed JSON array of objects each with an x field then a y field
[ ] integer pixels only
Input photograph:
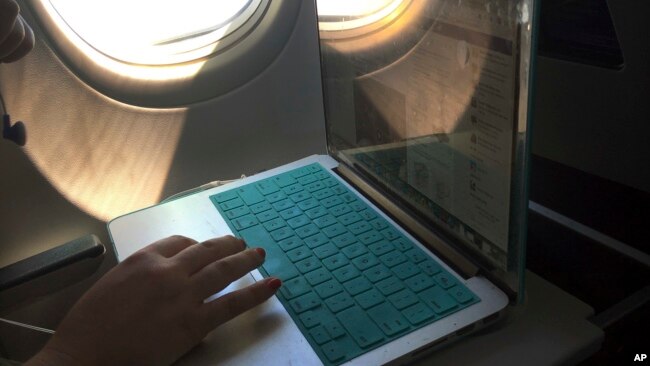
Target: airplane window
[
  {"x": 159, "y": 53},
  {"x": 342, "y": 15},
  {"x": 155, "y": 32}
]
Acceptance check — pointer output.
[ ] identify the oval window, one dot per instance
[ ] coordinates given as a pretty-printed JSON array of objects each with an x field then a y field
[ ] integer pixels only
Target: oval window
[
  {"x": 159, "y": 53},
  {"x": 153, "y": 32}
]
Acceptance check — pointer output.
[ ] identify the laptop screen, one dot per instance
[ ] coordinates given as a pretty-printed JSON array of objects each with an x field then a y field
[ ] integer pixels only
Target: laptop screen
[{"x": 430, "y": 101}]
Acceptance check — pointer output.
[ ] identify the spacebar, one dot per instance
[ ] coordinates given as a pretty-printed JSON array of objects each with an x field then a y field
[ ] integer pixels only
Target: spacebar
[{"x": 276, "y": 264}]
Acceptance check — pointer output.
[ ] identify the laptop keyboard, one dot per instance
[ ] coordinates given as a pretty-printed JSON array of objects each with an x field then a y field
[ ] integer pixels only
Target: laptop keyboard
[{"x": 351, "y": 281}]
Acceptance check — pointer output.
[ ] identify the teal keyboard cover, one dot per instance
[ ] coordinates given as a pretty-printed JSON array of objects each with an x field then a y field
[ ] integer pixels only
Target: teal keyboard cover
[{"x": 351, "y": 281}]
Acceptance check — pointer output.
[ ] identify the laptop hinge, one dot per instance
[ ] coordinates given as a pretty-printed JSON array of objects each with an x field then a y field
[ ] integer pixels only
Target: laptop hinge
[{"x": 462, "y": 264}]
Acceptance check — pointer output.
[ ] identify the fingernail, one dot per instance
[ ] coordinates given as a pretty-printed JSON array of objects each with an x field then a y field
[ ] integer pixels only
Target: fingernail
[
  {"x": 274, "y": 283},
  {"x": 261, "y": 252}
]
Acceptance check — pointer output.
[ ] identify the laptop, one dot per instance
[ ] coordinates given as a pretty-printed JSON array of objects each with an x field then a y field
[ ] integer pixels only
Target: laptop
[{"x": 411, "y": 232}]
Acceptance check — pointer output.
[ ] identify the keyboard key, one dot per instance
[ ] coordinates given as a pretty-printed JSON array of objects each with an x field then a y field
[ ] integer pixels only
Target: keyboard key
[
  {"x": 325, "y": 221},
  {"x": 405, "y": 270},
  {"x": 327, "y": 289},
  {"x": 333, "y": 351},
  {"x": 320, "y": 335},
  {"x": 316, "y": 240},
  {"x": 350, "y": 218},
  {"x": 364, "y": 332},
  {"x": 299, "y": 197},
  {"x": 223, "y": 197},
  {"x": 389, "y": 320},
  {"x": 348, "y": 197},
  {"x": 438, "y": 299},
  {"x": 281, "y": 233},
  {"x": 417, "y": 313},
  {"x": 274, "y": 224},
  {"x": 339, "y": 210},
  {"x": 461, "y": 294},
  {"x": 329, "y": 182},
  {"x": 305, "y": 302},
  {"x": 338, "y": 189},
  {"x": 415, "y": 255},
  {"x": 290, "y": 243},
  {"x": 430, "y": 267},
  {"x": 338, "y": 260},
  {"x": 381, "y": 248},
  {"x": 229, "y": 205},
  {"x": 379, "y": 224},
  {"x": 390, "y": 233},
  {"x": 359, "y": 227},
  {"x": 307, "y": 230},
  {"x": 260, "y": 207},
  {"x": 334, "y": 230},
  {"x": 403, "y": 299},
  {"x": 369, "y": 298},
  {"x": 315, "y": 212},
  {"x": 378, "y": 273},
  {"x": 323, "y": 193},
  {"x": 346, "y": 273},
  {"x": 313, "y": 187},
  {"x": 298, "y": 221},
  {"x": 294, "y": 287},
  {"x": 331, "y": 201},
  {"x": 236, "y": 212},
  {"x": 266, "y": 216},
  {"x": 294, "y": 188},
  {"x": 308, "y": 265},
  {"x": 300, "y": 172},
  {"x": 354, "y": 250},
  {"x": 419, "y": 282},
  {"x": 325, "y": 251},
  {"x": 244, "y": 222},
  {"x": 357, "y": 205},
  {"x": 309, "y": 204},
  {"x": 389, "y": 285},
  {"x": 344, "y": 240},
  {"x": 283, "y": 180},
  {"x": 307, "y": 179},
  {"x": 368, "y": 215},
  {"x": 357, "y": 285},
  {"x": 402, "y": 244},
  {"x": 393, "y": 258},
  {"x": 334, "y": 328},
  {"x": 310, "y": 318},
  {"x": 250, "y": 195},
  {"x": 365, "y": 261},
  {"x": 266, "y": 187},
  {"x": 339, "y": 302},
  {"x": 445, "y": 280},
  {"x": 282, "y": 205},
  {"x": 318, "y": 276},
  {"x": 370, "y": 237},
  {"x": 298, "y": 254},
  {"x": 275, "y": 197},
  {"x": 290, "y": 212}
]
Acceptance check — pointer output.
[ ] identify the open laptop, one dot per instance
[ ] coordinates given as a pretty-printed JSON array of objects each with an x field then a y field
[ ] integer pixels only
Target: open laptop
[{"x": 411, "y": 232}]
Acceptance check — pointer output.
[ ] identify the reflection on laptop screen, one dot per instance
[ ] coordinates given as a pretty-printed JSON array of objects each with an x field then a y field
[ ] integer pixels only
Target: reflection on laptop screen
[{"x": 437, "y": 122}]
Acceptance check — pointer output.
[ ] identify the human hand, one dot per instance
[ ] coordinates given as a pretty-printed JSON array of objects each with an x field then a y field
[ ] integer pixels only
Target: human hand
[
  {"x": 150, "y": 309},
  {"x": 16, "y": 37}
]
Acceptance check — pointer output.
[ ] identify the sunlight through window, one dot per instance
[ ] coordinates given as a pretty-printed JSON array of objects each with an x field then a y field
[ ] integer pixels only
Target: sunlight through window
[{"x": 155, "y": 32}]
